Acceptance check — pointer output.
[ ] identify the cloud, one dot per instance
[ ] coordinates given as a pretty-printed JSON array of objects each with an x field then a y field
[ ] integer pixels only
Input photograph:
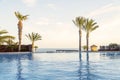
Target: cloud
[
  {"x": 103, "y": 10},
  {"x": 108, "y": 20},
  {"x": 111, "y": 22},
  {"x": 52, "y": 6},
  {"x": 29, "y": 2}
]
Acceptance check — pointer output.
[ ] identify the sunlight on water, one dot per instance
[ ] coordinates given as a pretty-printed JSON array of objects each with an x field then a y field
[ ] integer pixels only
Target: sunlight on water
[
  {"x": 64, "y": 56},
  {"x": 56, "y": 57}
]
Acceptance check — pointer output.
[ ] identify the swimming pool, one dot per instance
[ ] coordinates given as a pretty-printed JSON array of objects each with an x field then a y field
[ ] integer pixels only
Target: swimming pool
[{"x": 60, "y": 66}]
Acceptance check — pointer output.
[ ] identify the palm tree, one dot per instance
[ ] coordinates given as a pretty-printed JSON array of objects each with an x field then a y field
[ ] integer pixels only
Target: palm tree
[
  {"x": 89, "y": 26},
  {"x": 10, "y": 41},
  {"x": 11, "y": 44},
  {"x": 20, "y": 17},
  {"x": 79, "y": 22},
  {"x": 33, "y": 37},
  {"x": 4, "y": 37}
]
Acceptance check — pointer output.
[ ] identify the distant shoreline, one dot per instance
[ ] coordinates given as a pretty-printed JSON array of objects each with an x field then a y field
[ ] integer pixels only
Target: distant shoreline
[{"x": 52, "y": 52}]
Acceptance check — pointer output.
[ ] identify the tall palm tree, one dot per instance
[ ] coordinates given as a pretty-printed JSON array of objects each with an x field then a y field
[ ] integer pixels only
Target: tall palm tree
[
  {"x": 89, "y": 26},
  {"x": 79, "y": 22},
  {"x": 21, "y": 18},
  {"x": 33, "y": 37},
  {"x": 4, "y": 37}
]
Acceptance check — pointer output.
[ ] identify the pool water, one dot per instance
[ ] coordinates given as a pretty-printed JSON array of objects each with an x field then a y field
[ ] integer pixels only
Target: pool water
[{"x": 60, "y": 66}]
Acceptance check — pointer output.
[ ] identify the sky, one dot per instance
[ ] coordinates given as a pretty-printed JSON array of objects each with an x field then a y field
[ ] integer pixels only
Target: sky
[{"x": 52, "y": 19}]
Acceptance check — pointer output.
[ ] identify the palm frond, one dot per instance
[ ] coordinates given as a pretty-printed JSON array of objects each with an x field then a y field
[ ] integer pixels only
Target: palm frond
[
  {"x": 94, "y": 28},
  {"x": 20, "y": 16},
  {"x": 90, "y": 25},
  {"x": 3, "y": 32},
  {"x": 79, "y": 21},
  {"x": 33, "y": 37}
]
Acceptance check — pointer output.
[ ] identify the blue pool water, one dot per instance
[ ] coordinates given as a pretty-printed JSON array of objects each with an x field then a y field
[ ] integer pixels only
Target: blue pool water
[{"x": 60, "y": 66}]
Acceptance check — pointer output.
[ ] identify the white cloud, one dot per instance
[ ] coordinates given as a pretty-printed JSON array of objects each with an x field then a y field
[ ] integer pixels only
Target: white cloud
[
  {"x": 111, "y": 22},
  {"x": 29, "y": 2},
  {"x": 52, "y": 6},
  {"x": 101, "y": 14},
  {"x": 108, "y": 20},
  {"x": 105, "y": 9}
]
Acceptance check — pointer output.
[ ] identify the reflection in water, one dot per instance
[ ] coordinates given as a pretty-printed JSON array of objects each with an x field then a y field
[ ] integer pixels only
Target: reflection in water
[
  {"x": 80, "y": 71},
  {"x": 10, "y": 57},
  {"x": 87, "y": 56},
  {"x": 84, "y": 75},
  {"x": 19, "y": 69},
  {"x": 93, "y": 69},
  {"x": 87, "y": 66},
  {"x": 80, "y": 56},
  {"x": 18, "y": 57},
  {"x": 110, "y": 55},
  {"x": 19, "y": 65},
  {"x": 57, "y": 66}
]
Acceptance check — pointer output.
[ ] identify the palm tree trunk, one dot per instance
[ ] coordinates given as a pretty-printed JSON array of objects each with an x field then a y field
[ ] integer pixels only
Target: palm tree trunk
[
  {"x": 19, "y": 34},
  {"x": 80, "y": 35},
  {"x": 33, "y": 46},
  {"x": 87, "y": 42}
]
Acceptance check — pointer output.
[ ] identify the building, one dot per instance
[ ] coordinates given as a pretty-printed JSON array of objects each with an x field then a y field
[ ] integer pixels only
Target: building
[
  {"x": 110, "y": 47},
  {"x": 93, "y": 48}
]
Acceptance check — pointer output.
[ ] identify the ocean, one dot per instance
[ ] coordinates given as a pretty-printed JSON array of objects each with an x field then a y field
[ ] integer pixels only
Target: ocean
[{"x": 54, "y": 50}]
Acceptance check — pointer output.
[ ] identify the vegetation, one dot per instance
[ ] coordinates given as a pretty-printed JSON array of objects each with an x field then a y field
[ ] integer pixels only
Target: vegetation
[
  {"x": 79, "y": 22},
  {"x": 35, "y": 47},
  {"x": 84, "y": 47},
  {"x": 12, "y": 45},
  {"x": 7, "y": 41},
  {"x": 21, "y": 18},
  {"x": 4, "y": 38},
  {"x": 33, "y": 37},
  {"x": 89, "y": 26}
]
